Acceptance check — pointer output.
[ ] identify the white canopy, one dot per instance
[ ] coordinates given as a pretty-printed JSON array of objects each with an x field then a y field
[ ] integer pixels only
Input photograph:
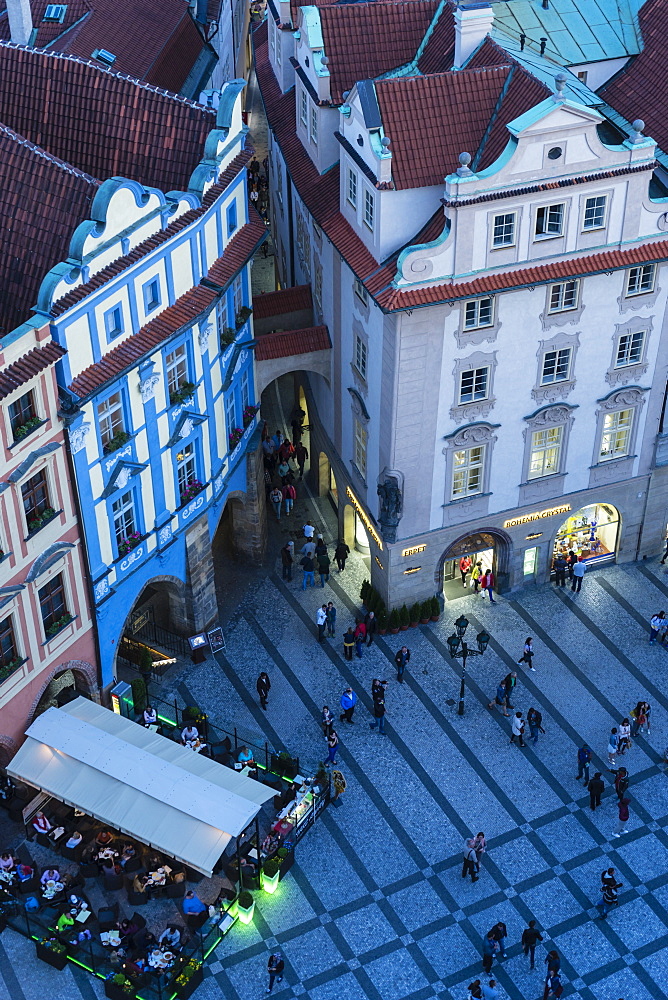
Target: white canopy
[{"x": 142, "y": 784}]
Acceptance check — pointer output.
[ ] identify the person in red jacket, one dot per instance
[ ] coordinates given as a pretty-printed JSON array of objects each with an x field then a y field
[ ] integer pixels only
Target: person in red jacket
[
  {"x": 464, "y": 567},
  {"x": 488, "y": 585},
  {"x": 360, "y": 638},
  {"x": 289, "y": 496}
]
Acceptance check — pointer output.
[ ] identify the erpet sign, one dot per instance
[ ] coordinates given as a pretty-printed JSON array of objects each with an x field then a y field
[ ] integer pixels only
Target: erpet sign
[
  {"x": 537, "y": 515},
  {"x": 413, "y": 551}
]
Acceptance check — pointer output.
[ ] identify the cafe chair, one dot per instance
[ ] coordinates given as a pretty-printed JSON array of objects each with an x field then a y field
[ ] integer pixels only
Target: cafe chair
[
  {"x": 113, "y": 882},
  {"x": 138, "y": 919},
  {"x": 137, "y": 898},
  {"x": 89, "y": 870},
  {"x": 43, "y": 840},
  {"x": 134, "y": 864},
  {"x": 72, "y": 853},
  {"x": 107, "y": 917},
  {"x": 176, "y": 890},
  {"x": 196, "y": 920}
]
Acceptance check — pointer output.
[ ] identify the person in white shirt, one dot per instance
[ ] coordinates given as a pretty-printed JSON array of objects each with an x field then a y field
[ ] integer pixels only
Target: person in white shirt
[
  {"x": 321, "y": 621},
  {"x": 75, "y": 839},
  {"x": 309, "y": 530},
  {"x": 657, "y": 624},
  {"x": 518, "y": 729},
  {"x": 578, "y": 572},
  {"x": 189, "y": 734}
]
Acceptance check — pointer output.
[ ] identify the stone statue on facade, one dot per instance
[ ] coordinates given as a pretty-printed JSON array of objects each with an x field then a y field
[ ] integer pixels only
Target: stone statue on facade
[{"x": 391, "y": 507}]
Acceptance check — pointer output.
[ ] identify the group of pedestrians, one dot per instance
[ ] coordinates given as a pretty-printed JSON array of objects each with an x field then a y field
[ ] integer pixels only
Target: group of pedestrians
[
  {"x": 572, "y": 564},
  {"x": 482, "y": 580},
  {"x": 495, "y": 945}
]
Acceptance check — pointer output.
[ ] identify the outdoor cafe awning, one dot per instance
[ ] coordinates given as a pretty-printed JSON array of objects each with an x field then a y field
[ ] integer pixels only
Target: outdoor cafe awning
[{"x": 135, "y": 781}]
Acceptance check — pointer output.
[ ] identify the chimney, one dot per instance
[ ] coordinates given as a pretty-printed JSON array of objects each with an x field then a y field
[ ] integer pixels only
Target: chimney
[
  {"x": 20, "y": 21},
  {"x": 473, "y": 20}
]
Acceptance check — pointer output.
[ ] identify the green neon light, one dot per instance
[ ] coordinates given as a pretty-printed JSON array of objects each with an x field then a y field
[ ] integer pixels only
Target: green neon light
[{"x": 214, "y": 945}]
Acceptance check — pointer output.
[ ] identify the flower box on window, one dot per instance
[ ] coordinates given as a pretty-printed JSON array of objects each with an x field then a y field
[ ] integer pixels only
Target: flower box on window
[
  {"x": 228, "y": 336},
  {"x": 10, "y": 667},
  {"x": 24, "y": 429},
  {"x": 235, "y": 437},
  {"x": 192, "y": 489},
  {"x": 249, "y": 414},
  {"x": 128, "y": 543},
  {"x": 116, "y": 442},
  {"x": 242, "y": 315},
  {"x": 59, "y": 624},
  {"x": 35, "y": 523},
  {"x": 184, "y": 392}
]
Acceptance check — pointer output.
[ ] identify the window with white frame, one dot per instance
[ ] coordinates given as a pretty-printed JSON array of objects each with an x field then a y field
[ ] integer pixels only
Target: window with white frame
[
  {"x": 360, "y": 447},
  {"x": 616, "y": 436},
  {"x": 360, "y": 355},
  {"x": 478, "y": 312},
  {"x": 361, "y": 292},
  {"x": 317, "y": 284},
  {"x": 549, "y": 221},
  {"x": 564, "y": 296},
  {"x": 303, "y": 108},
  {"x": 503, "y": 234},
  {"x": 594, "y": 213},
  {"x": 151, "y": 293},
  {"x": 314, "y": 126},
  {"x": 545, "y": 452},
  {"x": 230, "y": 413},
  {"x": 629, "y": 349},
  {"x": 640, "y": 279},
  {"x": 304, "y": 242},
  {"x": 110, "y": 419},
  {"x": 245, "y": 391},
  {"x": 238, "y": 294},
  {"x": 467, "y": 471},
  {"x": 113, "y": 322},
  {"x": 473, "y": 384},
  {"x": 278, "y": 43},
  {"x": 556, "y": 366},
  {"x": 186, "y": 467},
  {"x": 272, "y": 34},
  {"x": 176, "y": 363},
  {"x": 123, "y": 514},
  {"x": 351, "y": 188},
  {"x": 369, "y": 209}
]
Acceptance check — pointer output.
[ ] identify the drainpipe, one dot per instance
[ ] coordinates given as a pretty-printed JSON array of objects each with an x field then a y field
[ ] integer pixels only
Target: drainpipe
[{"x": 290, "y": 230}]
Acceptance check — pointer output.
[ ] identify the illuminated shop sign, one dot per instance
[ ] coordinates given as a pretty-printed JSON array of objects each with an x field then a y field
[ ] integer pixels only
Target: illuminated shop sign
[
  {"x": 366, "y": 521},
  {"x": 412, "y": 569},
  {"x": 414, "y": 550},
  {"x": 537, "y": 515}
]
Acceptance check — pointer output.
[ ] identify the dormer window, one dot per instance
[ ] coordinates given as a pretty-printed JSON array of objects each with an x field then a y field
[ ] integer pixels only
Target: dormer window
[
  {"x": 549, "y": 221},
  {"x": 55, "y": 13},
  {"x": 102, "y": 55}
]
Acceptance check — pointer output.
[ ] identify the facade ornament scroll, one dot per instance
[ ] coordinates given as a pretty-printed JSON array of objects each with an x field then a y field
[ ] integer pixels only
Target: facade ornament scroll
[
  {"x": 147, "y": 386},
  {"x": 78, "y": 437}
]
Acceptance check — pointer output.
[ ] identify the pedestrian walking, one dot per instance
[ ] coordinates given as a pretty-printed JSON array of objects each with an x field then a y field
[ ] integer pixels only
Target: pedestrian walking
[
  {"x": 476, "y": 573},
  {"x": 560, "y": 565},
  {"x": 309, "y": 530},
  {"x": 640, "y": 718},
  {"x": 489, "y": 990},
  {"x": 584, "y": 757},
  {"x": 333, "y": 746},
  {"x": 527, "y": 655},
  {"x": 624, "y": 736},
  {"x": 578, "y": 573},
  {"x": 341, "y": 553},
  {"x": 509, "y": 683},
  {"x": 277, "y": 438},
  {"x": 287, "y": 560},
  {"x": 621, "y": 783},
  {"x": 349, "y": 643},
  {"x": 517, "y": 727},
  {"x": 301, "y": 454},
  {"x": 321, "y": 621},
  {"x": 378, "y": 713},
  {"x": 284, "y": 472},
  {"x": 570, "y": 563},
  {"x": 657, "y": 624},
  {"x": 263, "y": 685},
  {"x": 489, "y": 584},
  {"x": 323, "y": 566},
  {"x": 500, "y": 934},
  {"x": 348, "y": 702},
  {"x": 378, "y": 688},
  {"x": 623, "y": 813},
  {"x": 275, "y": 967},
  {"x": 339, "y": 783},
  {"x": 470, "y": 865},
  {"x": 401, "y": 659},
  {"x": 610, "y": 898},
  {"x": 371, "y": 623},
  {"x": 308, "y": 567},
  {"x": 276, "y": 498},
  {"x": 665, "y": 554},
  {"x": 289, "y": 494},
  {"x": 480, "y": 846},
  {"x": 475, "y": 990},
  {"x": 326, "y": 720},
  {"x": 489, "y": 949},
  {"x": 596, "y": 789},
  {"x": 331, "y": 620},
  {"x": 464, "y": 567},
  {"x": 320, "y": 546},
  {"x": 613, "y": 744},
  {"x": 535, "y": 720},
  {"x": 360, "y": 639},
  {"x": 530, "y": 937},
  {"x": 286, "y": 451},
  {"x": 553, "y": 986},
  {"x": 500, "y": 698}
]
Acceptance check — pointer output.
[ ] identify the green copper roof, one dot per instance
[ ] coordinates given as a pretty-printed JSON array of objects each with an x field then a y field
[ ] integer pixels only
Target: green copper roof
[{"x": 577, "y": 31}]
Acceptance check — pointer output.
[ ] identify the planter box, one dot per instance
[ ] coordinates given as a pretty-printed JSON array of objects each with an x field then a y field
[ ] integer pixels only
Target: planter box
[
  {"x": 286, "y": 865},
  {"x": 425, "y": 621},
  {"x": 393, "y": 631},
  {"x": 115, "y": 992},
  {"x": 245, "y": 915},
  {"x": 192, "y": 984},
  {"x": 56, "y": 959},
  {"x": 403, "y": 628},
  {"x": 435, "y": 618}
]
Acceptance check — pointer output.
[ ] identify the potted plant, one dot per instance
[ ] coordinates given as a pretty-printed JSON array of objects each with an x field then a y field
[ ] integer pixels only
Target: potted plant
[
  {"x": 415, "y": 615},
  {"x": 425, "y": 612},
  {"x": 393, "y": 621},
  {"x": 117, "y": 441},
  {"x": 287, "y": 764},
  {"x": 128, "y": 543},
  {"x": 242, "y": 315},
  {"x": 270, "y": 875},
  {"x": 404, "y": 618},
  {"x": 52, "y": 951},
  {"x": 382, "y": 621},
  {"x": 249, "y": 414},
  {"x": 228, "y": 336},
  {"x": 245, "y": 906},
  {"x": 191, "y": 490},
  {"x": 138, "y": 685},
  {"x": 118, "y": 987},
  {"x": 24, "y": 429},
  {"x": 184, "y": 391},
  {"x": 285, "y": 857},
  {"x": 190, "y": 976},
  {"x": 235, "y": 437},
  {"x": 435, "y": 609},
  {"x": 56, "y": 626}
]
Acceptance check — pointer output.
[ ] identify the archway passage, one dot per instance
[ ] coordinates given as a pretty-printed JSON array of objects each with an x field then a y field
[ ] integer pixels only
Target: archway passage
[
  {"x": 487, "y": 549},
  {"x": 69, "y": 680},
  {"x": 592, "y": 532}
]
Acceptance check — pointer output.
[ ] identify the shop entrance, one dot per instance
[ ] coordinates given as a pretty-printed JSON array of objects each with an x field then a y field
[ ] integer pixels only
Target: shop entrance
[
  {"x": 591, "y": 532},
  {"x": 483, "y": 548}
]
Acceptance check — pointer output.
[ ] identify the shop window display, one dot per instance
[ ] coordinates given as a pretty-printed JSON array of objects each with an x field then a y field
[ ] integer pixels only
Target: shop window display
[{"x": 591, "y": 532}]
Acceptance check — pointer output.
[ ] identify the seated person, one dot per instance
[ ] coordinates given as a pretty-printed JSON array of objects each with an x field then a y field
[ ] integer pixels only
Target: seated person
[
  {"x": 245, "y": 756},
  {"x": 40, "y": 823},
  {"x": 110, "y": 867},
  {"x": 126, "y": 928},
  {"x": 270, "y": 843},
  {"x": 50, "y": 875},
  {"x": 6, "y": 862},
  {"x": 66, "y": 920},
  {"x": 6, "y": 788},
  {"x": 192, "y": 903},
  {"x": 24, "y": 872},
  {"x": 189, "y": 734},
  {"x": 127, "y": 853},
  {"x": 74, "y": 840},
  {"x": 171, "y": 936},
  {"x": 150, "y": 716},
  {"x": 139, "y": 882},
  {"x": 104, "y": 838}
]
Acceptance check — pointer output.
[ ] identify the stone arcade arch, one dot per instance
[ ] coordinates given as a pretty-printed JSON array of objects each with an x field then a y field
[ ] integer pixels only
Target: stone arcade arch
[{"x": 469, "y": 544}]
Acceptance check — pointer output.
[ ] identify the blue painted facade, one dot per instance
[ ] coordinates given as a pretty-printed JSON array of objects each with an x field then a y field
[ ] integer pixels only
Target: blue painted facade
[{"x": 150, "y": 439}]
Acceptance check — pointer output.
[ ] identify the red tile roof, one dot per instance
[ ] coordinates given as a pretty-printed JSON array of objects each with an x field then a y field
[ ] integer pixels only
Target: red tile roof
[
  {"x": 637, "y": 91},
  {"x": 101, "y": 122},
  {"x": 286, "y": 300},
  {"x": 31, "y": 364},
  {"x": 438, "y": 53},
  {"x": 47, "y": 31},
  {"x": 285, "y": 345},
  {"x": 184, "y": 312},
  {"x": 296, "y": 4},
  {"x": 364, "y": 40}
]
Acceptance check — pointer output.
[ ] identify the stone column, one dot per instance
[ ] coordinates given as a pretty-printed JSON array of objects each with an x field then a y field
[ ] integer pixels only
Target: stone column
[
  {"x": 200, "y": 575},
  {"x": 249, "y": 519}
]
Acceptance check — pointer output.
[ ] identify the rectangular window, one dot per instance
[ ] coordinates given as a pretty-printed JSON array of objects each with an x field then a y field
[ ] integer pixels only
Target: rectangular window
[
  {"x": 123, "y": 513},
  {"x": 629, "y": 349},
  {"x": 640, "y": 279},
  {"x": 317, "y": 284},
  {"x": 230, "y": 413},
  {"x": 110, "y": 419},
  {"x": 55, "y": 12},
  {"x": 545, "y": 452},
  {"x": 272, "y": 34},
  {"x": 563, "y": 296},
  {"x": 22, "y": 412},
  {"x": 151, "y": 293},
  {"x": 467, "y": 472},
  {"x": 361, "y": 291},
  {"x": 473, "y": 384},
  {"x": 360, "y": 447},
  {"x": 582, "y": 76},
  {"x": 52, "y": 602},
  {"x": 314, "y": 126},
  {"x": 351, "y": 192},
  {"x": 245, "y": 391},
  {"x": 594, "y": 214},
  {"x": 113, "y": 322},
  {"x": 360, "y": 356},
  {"x": 35, "y": 496},
  {"x": 616, "y": 437},
  {"x": 478, "y": 312},
  {"x": 504, "y": 230},
  {"x": 549, "y": 220},
  {"x": 556, "y": 366},
  {"x": 8, "y": 652},
  {"x": 186, "y": 467},
  {"x": 530, "y": 560},
  {"x": 237, "y": 295},
  {"x": 303, "y": 108},
  {"x": 369, "y": 207},
  {"x": 231, "y": 218},
  {"x": 177, "y": 369}
]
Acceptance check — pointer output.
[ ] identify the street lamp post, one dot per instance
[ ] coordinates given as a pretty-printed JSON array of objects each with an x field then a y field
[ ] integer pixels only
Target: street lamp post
[{"x": 459, "y": 648}]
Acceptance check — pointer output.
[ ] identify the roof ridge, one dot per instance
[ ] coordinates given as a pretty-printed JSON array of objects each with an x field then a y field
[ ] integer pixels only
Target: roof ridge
[
  {"x": 40, "y": 151},
  {"x": 492, "y": 118},
  {"x": 447, "y": 73}
]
